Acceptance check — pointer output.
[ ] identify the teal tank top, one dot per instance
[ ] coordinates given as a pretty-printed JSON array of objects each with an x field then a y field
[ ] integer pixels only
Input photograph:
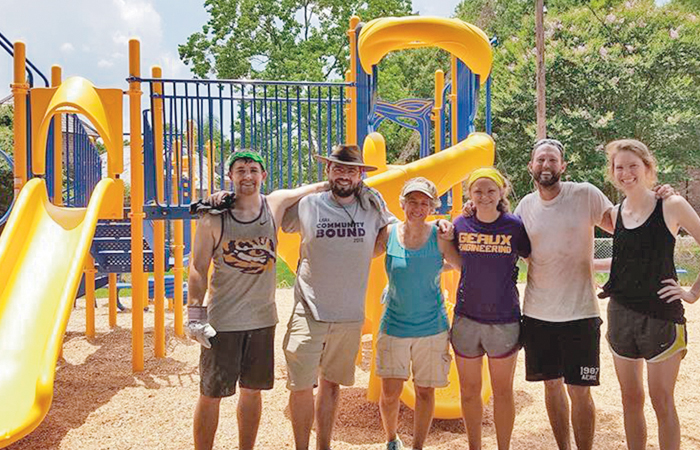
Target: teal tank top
[{"x": 414, "y": 303}]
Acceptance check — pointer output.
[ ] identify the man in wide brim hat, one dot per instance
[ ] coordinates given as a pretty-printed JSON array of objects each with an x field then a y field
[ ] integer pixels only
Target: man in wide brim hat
[
  {"x": 346, "y": 154},
  {"x": 339, "y": 230}
]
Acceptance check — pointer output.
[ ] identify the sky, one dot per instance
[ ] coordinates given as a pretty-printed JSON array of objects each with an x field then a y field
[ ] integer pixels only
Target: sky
[{"x": 90, "y": 37}]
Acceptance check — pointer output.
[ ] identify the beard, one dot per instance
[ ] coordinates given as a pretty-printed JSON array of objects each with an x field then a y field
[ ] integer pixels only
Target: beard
[
  {"x": 343, "y": 191},
  {"x": 546, "y": 181}
]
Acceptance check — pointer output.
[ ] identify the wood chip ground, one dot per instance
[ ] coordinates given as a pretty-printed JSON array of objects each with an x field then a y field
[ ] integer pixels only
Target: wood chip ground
[{"x": 100, "y": 404}]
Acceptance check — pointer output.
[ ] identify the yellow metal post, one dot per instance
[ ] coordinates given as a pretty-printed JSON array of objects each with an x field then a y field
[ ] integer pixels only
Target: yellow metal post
[
  {"x": 351, "y": 116},
  {"x": 20, "y": 88},
  {"x": 437, "y": 108},
  {"x": 178, "y": 249},
  {"x": 158, "y": 225},
  {"x": 90, "y": 296},
  {"x": 211, "y": 150},
  {"x": 57, "y": 145},
  {"x": 136, "y": 215},
  {"x": 112, "y": 300},
  {"x": 457, "y": 189},
  {"x": 191, "y": 161}
]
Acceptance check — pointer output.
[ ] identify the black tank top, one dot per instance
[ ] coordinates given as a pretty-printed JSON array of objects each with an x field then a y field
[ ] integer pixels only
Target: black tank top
[{"x": 642, "y": 258}]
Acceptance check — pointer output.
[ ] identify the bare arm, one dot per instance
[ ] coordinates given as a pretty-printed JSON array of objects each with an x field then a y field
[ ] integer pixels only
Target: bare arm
[
  {"x": 679, "y": 214},
  {"x": 604, "y": 264},
  {"x": 202, "y": 252},
  {"x": 607, "y": 223},
  {"x": 282, "y": 199},
  {"x": 380, "y": 242},
  {"x": 450, "y": 253}
]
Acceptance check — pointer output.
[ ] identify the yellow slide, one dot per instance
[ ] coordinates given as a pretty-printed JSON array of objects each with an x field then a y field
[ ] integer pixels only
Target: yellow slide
[
  {"x": 446, "y": 169},
  {"x": 42, "y": 256}
]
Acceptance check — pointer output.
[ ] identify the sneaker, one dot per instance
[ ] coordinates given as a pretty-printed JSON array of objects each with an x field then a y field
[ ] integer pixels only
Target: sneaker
[{"x": 396, "y": 444}]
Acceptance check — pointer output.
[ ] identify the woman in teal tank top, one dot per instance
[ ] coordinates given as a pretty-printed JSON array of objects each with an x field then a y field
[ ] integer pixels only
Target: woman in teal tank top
[{"x": 414, "y": 328}]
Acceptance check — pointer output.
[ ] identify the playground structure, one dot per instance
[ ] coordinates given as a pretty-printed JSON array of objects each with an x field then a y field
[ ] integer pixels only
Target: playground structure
[{"x": 181, "y": 142}]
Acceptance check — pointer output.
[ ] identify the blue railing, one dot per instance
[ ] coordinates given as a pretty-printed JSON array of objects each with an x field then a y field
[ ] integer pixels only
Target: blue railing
[
  {"x": 81, "y": 163},
  {"x": 287, "y": 122},
  {"x": 7, "y": 45}
]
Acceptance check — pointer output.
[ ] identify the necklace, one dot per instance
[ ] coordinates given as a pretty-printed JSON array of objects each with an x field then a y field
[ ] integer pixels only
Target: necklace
[
  {"x": 638, "y": 215},
  {"x": 350, "y": 216}
]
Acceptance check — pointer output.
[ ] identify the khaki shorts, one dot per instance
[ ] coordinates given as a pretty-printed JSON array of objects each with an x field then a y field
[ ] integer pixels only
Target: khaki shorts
[
  {"x": 427, "y": 357},
  {"x": 310, "y": 345}
]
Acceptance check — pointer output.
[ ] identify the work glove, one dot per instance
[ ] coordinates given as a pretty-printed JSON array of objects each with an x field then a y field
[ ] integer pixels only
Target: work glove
[{"x": 198, "y": 327}]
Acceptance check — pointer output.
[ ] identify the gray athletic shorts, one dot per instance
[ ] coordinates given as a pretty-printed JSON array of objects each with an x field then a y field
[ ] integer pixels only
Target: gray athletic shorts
[
  {"x": 471, "y": 339},
  {"x": 633, "y": 335}
]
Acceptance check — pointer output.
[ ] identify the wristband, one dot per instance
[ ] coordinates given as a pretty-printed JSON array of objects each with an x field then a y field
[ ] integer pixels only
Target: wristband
[{"x": 198, "y": 313}]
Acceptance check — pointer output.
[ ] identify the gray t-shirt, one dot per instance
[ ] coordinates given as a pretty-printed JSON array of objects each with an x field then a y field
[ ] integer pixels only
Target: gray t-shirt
[
  {"x": 337, "y": 243},
  {"x": 560, "y": 283}
]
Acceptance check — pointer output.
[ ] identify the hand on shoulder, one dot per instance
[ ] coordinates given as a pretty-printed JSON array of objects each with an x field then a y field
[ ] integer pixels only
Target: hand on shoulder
[{"x": 664, "y": 191}]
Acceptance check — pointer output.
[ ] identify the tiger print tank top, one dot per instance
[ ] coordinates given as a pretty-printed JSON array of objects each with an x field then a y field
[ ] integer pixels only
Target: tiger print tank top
[{"x": 241, "y": 291}]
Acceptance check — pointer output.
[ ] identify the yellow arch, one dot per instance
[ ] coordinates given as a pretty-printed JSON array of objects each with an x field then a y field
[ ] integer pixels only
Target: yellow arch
[
  {"x": 467, "y": 42},
  {"x": 76, "y": 95}
]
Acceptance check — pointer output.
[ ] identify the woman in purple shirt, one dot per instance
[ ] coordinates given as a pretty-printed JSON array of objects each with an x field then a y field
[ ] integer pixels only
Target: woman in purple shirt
[{"x": 487, "y": 313}]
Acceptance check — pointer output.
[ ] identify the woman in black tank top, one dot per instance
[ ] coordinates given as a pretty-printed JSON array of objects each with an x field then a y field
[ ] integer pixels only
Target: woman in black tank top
[{"x": 645, "y": 313}]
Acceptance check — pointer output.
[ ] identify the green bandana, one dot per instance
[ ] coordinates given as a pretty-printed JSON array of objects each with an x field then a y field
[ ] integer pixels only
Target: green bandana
[{"x": 247, "y": 154}]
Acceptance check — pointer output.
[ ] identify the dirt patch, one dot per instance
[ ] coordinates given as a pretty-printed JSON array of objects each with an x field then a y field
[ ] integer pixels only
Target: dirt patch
[{"x": 100, "y": 404}]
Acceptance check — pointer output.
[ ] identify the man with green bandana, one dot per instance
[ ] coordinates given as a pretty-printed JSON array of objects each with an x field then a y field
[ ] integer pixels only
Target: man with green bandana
[{"x": 233, "y": 316}]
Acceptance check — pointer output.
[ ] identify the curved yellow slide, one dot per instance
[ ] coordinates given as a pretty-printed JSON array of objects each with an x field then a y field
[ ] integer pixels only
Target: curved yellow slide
[
  {"x": 446, "y": 169},
  {"x": 467, "y": 42},
  {"x": 42, "y": 256}
]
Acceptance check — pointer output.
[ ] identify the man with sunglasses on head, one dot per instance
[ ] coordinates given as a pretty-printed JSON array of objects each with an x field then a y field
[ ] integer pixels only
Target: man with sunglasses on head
[
  {"x": 561, "y": 321},
  {"x": 236, "y": 327}
]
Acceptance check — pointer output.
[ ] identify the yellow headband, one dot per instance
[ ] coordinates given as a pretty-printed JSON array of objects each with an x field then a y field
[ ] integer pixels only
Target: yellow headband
[{"x": 487, "y": 172}]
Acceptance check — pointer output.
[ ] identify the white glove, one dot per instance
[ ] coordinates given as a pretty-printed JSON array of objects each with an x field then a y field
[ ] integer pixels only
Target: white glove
[{"x": 198, "y": 327}]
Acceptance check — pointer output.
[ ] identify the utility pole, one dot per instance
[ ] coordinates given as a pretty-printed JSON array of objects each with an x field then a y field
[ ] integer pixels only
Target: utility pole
[{"x": 539, "y": 37}]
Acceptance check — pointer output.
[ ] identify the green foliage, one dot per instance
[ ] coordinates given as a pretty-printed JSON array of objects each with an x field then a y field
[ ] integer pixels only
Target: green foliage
[
  {"x": 7, "y": 146},
  {"x": 614, "y": 70},
  {"x": 101, "y": 149},
  {"x": 286, "y": 39},
  {"x": 6, "y": 129}
]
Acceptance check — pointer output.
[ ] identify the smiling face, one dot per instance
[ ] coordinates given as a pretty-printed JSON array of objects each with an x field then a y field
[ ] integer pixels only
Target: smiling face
[
  {"x": 247, "y": 177},
  {"x": 344, "y": 180},
  {"x": 630, "y": 172},
  {"x": 485, "y": 194},
  {"x": 630, "y": 164},
  {"x": 417, "y": 206},
  {"x": 547, "y": 165}
]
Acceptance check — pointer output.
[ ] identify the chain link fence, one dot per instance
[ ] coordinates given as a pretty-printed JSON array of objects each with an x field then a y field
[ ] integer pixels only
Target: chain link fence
[{"x": 687, "y": 258}]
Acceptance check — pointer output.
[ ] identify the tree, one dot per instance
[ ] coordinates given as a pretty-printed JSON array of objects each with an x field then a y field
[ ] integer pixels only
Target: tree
[
  {"x": 287, "y": 39},
  {"x": 6, "y": 129},
  {"x": 7, "y": 146},
  {"x": 614, "y": 70}
]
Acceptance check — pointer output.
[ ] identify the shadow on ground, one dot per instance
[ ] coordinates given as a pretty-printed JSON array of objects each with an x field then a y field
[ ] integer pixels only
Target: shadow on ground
[{"x": 81, "y": 389}]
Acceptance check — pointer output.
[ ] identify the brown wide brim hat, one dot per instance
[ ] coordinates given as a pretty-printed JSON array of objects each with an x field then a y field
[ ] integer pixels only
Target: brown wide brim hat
[{"x": 346, "y": 154}]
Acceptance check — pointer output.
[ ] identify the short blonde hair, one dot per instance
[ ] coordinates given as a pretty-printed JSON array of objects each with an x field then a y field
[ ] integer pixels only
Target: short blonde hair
[
  {"x": 420, "y": 184},
  {"x": 636, "y": 147}
]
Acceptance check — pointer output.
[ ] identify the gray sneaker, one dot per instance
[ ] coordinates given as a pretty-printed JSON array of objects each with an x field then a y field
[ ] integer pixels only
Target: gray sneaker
[{"x": 396, "y": 444}]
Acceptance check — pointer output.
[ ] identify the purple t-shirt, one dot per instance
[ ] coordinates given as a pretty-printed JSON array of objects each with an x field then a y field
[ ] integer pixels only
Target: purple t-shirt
[{"x": 488, "y": 290}]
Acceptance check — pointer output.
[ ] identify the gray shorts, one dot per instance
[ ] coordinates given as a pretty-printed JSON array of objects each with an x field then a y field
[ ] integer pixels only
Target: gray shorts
[
  {"x": 633, "y": 335},
  {"x": 472, "y": 339}
]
